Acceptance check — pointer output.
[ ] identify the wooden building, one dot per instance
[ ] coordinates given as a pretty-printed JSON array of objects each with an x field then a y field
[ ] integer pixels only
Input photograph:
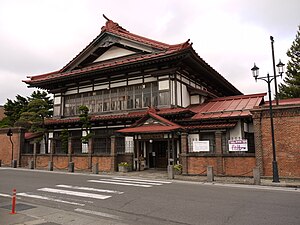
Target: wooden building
[{"x": 149, "y": 100}]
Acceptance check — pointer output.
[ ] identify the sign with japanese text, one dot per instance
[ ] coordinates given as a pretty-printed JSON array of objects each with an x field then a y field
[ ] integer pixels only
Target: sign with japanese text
[{"x": 238, "y": 145}]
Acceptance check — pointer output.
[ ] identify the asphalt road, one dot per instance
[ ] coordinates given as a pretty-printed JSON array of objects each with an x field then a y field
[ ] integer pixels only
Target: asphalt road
[{"x": 147, "y": 201}]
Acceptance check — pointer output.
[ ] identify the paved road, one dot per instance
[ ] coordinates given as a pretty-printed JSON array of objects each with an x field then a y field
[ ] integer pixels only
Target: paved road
[{"x": 131, "y": 200}]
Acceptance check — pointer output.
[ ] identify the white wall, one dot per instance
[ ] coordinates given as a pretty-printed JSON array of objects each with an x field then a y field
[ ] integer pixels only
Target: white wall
[
  {"x": 236, "y": 132},
  {"x": 185, "y": 96},
  {"x": 113, "y": 52}
]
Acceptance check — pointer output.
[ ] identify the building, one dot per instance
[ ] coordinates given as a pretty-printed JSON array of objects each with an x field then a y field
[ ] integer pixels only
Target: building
[
  {"x": 148, "y": 100},
  {"x": 2, "y": 115}
]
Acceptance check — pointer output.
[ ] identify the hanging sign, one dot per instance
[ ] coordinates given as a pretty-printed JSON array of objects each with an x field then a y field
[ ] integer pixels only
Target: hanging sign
[
  {"x": 200, "y": 146},
  {"x": 238, "y": 145}
]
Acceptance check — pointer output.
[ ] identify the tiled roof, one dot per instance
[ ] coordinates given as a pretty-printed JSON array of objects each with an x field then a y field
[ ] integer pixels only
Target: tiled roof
[
  {"x": 114, "y": 28},
  {"x": 148, "y": 129},
  {"x": 211, "y": 126},
  {"x": 141, "y": 127},
  {"x": 137, "y": 115},
  {"x": 227, "y": 107},
  {"x": 289, "y": 101},
  {"x": 32, "y": 135}
]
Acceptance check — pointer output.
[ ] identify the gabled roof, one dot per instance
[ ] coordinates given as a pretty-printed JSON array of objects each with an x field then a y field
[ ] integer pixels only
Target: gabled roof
[
  {"x": 158, "y": 124},
  {"x": 110, "y": 34},
  {"x": 227, "y": 107}
]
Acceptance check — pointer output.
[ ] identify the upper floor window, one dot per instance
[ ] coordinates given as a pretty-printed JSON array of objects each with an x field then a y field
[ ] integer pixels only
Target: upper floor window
[{"x": 117, "y": 99}]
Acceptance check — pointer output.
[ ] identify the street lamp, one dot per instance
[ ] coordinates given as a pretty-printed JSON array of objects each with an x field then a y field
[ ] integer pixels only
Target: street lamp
[
  {"x": 269, "y": 79},
  {"x": 10, "y": 134}
]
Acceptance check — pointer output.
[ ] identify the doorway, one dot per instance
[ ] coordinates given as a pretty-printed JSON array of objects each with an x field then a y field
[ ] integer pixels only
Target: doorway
[{"x": 157, "y": 154}]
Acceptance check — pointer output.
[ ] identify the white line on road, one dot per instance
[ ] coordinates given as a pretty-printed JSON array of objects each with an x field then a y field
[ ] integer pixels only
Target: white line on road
[
  {"x": 97, "y": 213},
  {"x": 49, "y": 199},
  {"x": 134, "y": 179},
  {"x": 119, "y": 183},
  {"x": 131, "y": 181},
  {"x": 74, "y": 193},
  {"x": 5, "y": 195},
  {"x": 89, "y": 189}
]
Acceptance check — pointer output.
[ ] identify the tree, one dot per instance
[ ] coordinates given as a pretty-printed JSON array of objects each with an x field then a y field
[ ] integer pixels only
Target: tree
[
  {"x": 14, "y": 109},
  {"x": 85, "y": 120},
  {"x": 291, "y": 86}
]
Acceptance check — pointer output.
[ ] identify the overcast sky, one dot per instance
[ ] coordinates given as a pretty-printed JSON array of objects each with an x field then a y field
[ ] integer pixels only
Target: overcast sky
[{"x": 40, "y": 36}]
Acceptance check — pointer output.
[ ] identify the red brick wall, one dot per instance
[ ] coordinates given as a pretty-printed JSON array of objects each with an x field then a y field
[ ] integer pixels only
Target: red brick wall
[
  {"x": 287, "y": 140},
  {"x": 232, "y": 166},
  {"x": 239, "y": 166},
  {"x": 105, "y": 162},
  {"x": 6, "y": 147}
]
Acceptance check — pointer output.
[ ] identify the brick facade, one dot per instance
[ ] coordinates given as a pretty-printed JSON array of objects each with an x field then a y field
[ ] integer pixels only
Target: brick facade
[{"x": 287, "y": 141}]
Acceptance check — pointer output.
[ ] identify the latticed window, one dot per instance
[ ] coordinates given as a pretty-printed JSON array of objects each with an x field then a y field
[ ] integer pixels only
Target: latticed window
[
  {"x": 209, "y": 137},
  {"x": 120, "y": 145},
  {"x": 102, "y": 145}
]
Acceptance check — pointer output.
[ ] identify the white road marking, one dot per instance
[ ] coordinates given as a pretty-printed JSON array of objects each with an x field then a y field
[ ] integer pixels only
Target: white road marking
[
  {"x": 5, "y": 195},
  {"x": 97, "y": 213},
  {"x": 75, "y": 193},
  {"x": 132, "y": 182},
  {"x": 119, "y": 183},
  {"x": 134, "y": 179},
  {"x": 89, "y": 189},
  {"x": 49, "y": 199}
]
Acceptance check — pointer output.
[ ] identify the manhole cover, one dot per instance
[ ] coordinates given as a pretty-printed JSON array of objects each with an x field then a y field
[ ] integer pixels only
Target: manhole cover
[{"x": 19, "y": 207}]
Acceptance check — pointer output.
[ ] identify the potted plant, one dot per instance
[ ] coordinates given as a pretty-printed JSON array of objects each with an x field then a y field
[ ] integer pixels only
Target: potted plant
[
  {"x": 178, "y": 169},
  {"x": 124, "y": 167}
]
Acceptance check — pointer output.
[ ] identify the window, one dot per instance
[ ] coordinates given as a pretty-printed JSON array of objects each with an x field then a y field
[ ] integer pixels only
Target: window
[
  {"x": 116, "y": 99},
  {"x": 208, "y": 137}
]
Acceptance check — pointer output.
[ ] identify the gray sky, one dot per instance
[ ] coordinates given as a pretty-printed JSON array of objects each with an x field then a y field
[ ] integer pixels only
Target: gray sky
[{"x": 40, "y": 36}]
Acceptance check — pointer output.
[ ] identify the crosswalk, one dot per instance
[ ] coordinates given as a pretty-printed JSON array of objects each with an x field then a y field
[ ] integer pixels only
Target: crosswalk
[{"x": 82, "y": 195}]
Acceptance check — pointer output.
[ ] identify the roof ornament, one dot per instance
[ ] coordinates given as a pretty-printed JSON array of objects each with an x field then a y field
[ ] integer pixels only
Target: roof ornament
[
  {"x": 112, "y": 26},
  {"x": 105, "y": 17}
]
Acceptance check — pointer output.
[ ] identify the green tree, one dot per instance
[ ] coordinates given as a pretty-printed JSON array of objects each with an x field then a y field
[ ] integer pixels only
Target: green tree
[
  {"x": 14, "y": 109},
  {"x": 86, "y": 125},
  {"x": 64, "y": 137},
  {"x": 291, "y": 86}
]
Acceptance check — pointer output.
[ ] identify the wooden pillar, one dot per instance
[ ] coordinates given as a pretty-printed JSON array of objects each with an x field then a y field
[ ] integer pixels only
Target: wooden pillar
[
  {"x": 70, "y": 150},
  {"x": 34, "y": 154},
  {"x": 51, "y": 149},
  {"x": 137, "y": 155},
  {"x": 184, "y": 153},
  {"x": 113, "y": 152},
  {"x": 219, "y": 152},
  {"x": 90, "y": 153}
]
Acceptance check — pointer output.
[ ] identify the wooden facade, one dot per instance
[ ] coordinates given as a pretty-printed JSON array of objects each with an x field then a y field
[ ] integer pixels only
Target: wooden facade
[{"x": 147, "y": 100}]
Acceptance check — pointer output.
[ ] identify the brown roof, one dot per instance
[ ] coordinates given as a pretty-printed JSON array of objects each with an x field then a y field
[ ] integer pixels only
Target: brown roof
[
  {"x": 141, "y": 127},
  {"x": 114, "y": 28},
  {"x": 227, "y": 107}
]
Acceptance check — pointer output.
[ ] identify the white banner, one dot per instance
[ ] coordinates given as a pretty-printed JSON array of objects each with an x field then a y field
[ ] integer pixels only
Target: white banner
[{"x": 200, "y": 146}]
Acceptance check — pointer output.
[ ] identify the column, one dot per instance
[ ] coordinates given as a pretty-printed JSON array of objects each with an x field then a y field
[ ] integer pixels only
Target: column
[
  {"x": 219, "y": 152},
  {"x": 90, "y": 153},
  {"x": 113, "y": 153},
  {"x": 184, "y": 153},
  {"x": 70, "y": 150},
  {"x": 257, "y": 117}
]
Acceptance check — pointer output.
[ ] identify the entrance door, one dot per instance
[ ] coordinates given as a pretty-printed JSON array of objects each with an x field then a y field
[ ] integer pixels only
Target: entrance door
[{"x": 158, "y": 157}]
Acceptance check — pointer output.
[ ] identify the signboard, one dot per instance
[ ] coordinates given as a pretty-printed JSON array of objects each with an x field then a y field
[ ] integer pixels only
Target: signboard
[
  {"x": 200, "y": 146},
  {"x": 238, "y": 145}
]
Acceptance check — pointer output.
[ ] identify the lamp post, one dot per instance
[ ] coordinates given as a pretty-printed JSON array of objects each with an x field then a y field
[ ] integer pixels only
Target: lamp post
[
  {"x": 269, "y": 79},
  {"x": 10, "y": 134}
]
